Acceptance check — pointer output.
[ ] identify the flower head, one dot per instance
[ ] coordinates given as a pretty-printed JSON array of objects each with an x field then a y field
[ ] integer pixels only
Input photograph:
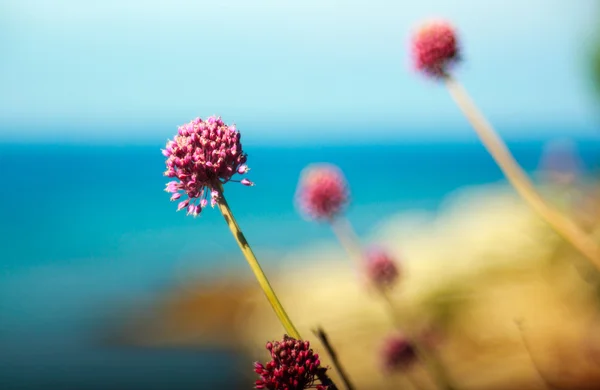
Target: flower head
[
  {"x": 435, "y": 48},
  {"x": 293, "y": 366},
  {"x": 397, "y": 353},
  {"x": 203, "y": 155},
  {"x": 322, "y": 192},
  {"x": 381, "y": 269}
]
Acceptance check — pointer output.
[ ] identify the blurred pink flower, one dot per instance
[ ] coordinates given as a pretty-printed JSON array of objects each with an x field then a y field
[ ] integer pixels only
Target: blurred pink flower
[
  {"x": 435, "y": 48},
  {"x": 381, "y": 269},
  {"x": 203, "y": 155},
  {"x": 397, "y": 353},
  {"x": 294, "y": 366},
  {"x": 322, "y": 192}
]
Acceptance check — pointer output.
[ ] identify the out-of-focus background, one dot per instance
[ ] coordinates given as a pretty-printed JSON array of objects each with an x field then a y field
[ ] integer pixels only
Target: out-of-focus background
[{"x": 90, "y": 91}]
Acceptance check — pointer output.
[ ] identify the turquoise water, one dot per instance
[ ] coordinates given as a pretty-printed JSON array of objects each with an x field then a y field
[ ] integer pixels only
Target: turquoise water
[{"x": 87, "y": 231}]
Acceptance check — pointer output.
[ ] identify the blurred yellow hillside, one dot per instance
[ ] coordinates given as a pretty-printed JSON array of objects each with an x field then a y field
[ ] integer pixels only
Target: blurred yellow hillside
[{"x": 484, "y": 262}]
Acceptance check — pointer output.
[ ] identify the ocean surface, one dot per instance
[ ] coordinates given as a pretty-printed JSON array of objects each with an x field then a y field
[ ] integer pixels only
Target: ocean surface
[{"x": 85, "y": 232}]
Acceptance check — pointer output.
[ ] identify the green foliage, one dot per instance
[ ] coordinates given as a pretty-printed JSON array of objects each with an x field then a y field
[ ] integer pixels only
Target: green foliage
[{"x": 596, "y": 66}]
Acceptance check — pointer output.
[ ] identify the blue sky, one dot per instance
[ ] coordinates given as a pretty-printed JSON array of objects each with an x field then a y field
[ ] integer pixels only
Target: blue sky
[{"x": 283, "y": 70}]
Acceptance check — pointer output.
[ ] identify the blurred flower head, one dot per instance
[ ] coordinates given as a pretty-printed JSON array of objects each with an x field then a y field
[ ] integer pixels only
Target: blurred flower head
[
  {"x": 293, "y": 366},
  {"x": 381, "y": 269},
  {"x": 561, "y": 162},
  {"x": 322, "y": 192},
  {"x": 203, "y": 155},
  {"x": 397, "y": 353},
  {"x": 435, "y": 48}
]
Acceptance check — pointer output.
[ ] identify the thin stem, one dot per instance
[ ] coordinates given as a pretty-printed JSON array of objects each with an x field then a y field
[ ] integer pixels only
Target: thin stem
[
  {"x": 435, "y": 367},
  {"x": 391, "y": 308},
  {"x": 320, "y": 333},
  {"x": 518, "y": 178},
  {"x": 255, "y": 266},
  {"x": 348, "y": 238},
  {"x": 325, "y": 379},
  {"x": 426, "y": 380},
  {"x": 519, "y": 323},
  {"x": 431, "y": 361},
  {"x": 414, "y": 382}
]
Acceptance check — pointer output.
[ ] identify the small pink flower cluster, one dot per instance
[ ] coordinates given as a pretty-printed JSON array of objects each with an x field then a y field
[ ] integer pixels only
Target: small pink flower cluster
[
  {"x": 294, "y": 366},
  {"x": 435, "y": 48},
  {"x": 203, "y": 155},
  {"x": 322, "y": 192}
]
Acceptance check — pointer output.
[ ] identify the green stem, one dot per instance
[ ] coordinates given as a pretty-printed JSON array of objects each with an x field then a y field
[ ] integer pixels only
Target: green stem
[{"x": 255, "y": 266}]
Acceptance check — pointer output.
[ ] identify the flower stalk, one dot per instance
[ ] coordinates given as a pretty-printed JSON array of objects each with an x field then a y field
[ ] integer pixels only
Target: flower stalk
[
  {"x": 344, "y": 232},
  {"x": 349, "y": 240},
  {"x": 428, "y": 357},
  {"x": 435, "y": 50},
  {"x": 547, "y": 384},
  {"x": 204, "y": 155},
  {"x": 262, "y": 279},
  {"x": 322, "y": 336},
  {"x": 518, "y": 178}
]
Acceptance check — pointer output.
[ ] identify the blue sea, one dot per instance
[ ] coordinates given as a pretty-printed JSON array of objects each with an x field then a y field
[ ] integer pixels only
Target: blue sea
[{"x": 87, "y": 231}]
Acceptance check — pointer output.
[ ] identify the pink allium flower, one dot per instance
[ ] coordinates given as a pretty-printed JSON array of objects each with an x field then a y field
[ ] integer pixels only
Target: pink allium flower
[
  {"x": 203, "y": 155},
  {"x": 381, "y": 269},
  {"x": 322, "y": 192},
  {"x": 435, "y": 48},
  {"x": 397, "y": 353},
  {"x": 294, "y": 366}
]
